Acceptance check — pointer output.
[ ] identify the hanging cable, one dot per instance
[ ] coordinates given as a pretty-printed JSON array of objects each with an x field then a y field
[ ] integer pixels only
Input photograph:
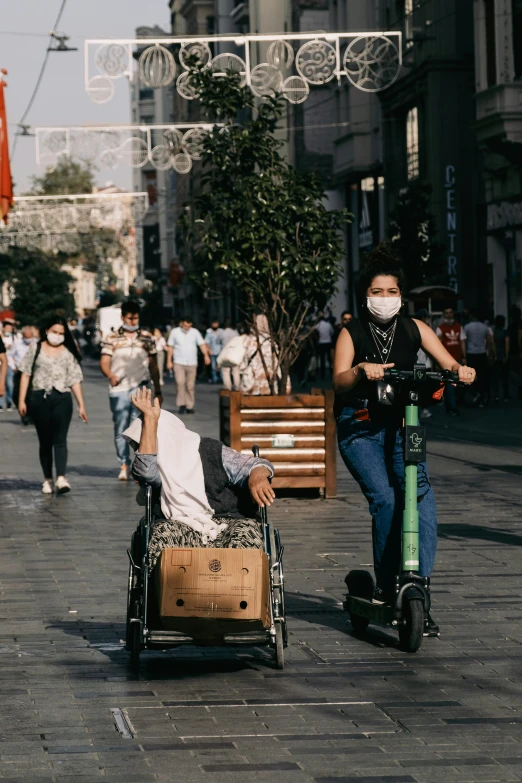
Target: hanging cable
[{"x": 40, "y": 76}]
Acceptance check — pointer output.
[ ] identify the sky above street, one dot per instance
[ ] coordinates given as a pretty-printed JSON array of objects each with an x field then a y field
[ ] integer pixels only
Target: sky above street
[{"x": 61, "y": 99}]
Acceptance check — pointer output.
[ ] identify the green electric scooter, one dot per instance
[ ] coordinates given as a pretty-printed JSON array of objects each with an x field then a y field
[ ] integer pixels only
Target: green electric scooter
[{"x": 408, "y": 610}]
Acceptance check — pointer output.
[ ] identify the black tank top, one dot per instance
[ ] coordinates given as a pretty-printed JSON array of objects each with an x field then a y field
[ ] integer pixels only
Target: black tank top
[{"x": 403, "y": 353}]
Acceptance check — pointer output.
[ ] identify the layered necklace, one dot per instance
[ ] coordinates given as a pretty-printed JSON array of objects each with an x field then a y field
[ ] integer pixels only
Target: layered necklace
[{"x": 383, "y": 339}]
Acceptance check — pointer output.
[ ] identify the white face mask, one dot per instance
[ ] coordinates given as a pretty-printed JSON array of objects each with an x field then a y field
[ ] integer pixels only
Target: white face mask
[
  {"x": 128, "y": 328},
  {"x": 55, "y": 339},
  {"x": 383, "y": 308}
]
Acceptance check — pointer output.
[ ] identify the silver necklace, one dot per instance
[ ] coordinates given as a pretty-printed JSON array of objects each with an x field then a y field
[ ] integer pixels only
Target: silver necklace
[{"x": 383, "y": 339}]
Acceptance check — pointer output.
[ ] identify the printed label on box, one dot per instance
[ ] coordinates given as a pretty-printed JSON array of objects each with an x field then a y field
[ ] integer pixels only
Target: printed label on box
[{"x": 283, "y": 441}]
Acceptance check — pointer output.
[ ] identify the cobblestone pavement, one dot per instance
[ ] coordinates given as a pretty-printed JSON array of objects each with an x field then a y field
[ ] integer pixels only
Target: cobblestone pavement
[{"x": 344, "y": 709}]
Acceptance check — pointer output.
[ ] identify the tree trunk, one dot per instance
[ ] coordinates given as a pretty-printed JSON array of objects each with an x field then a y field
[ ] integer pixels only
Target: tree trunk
[{"x": 285, "y": 373}]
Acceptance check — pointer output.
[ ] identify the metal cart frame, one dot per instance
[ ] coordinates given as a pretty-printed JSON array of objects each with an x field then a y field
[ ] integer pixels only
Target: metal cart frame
[{"x": 139, "y": 636}]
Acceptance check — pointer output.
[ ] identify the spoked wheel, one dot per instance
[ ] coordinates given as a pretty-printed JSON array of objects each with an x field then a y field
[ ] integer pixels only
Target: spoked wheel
[
  {"x": 279, "y": 646},
  {"x": 360, "y": 585},
  {"x": 412, "y": 624}
]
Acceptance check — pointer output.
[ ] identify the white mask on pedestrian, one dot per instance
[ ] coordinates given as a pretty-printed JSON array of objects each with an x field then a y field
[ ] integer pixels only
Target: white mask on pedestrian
[
  {"x": 55, "y": 339},
  {"x": 383, "y": 308},
  {"x": 128, "y": 328}
]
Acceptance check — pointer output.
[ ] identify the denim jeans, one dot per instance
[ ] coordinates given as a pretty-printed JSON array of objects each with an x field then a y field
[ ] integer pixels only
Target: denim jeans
[
  {"x": 123, "y": 414},
  {"x": 214, "y": 368},
  {"x": 7, "y": 401},
  {"x": 373, "y": 453}
]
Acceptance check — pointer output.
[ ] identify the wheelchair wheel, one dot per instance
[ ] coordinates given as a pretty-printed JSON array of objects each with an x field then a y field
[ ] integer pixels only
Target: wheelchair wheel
[
  {"x": 278, "y": 598},
  {"x": 279, "y": 647}
]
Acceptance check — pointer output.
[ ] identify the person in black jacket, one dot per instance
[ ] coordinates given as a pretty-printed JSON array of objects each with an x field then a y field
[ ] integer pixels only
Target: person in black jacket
[{"x": 370, "y": 434}]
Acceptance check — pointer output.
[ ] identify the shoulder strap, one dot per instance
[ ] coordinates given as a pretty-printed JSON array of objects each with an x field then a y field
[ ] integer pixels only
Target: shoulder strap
[
  {"x": 412, "y": 330},
  {"x": 36, "y": 354}
]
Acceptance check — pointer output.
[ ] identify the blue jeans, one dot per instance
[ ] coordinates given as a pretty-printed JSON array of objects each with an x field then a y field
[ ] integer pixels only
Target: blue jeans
[
  {"x": 123, "y": 414},
  {"x": 373, "y": 453},
  {"x": 215, "y": 372},
  {"x": 9, "y": 386}
]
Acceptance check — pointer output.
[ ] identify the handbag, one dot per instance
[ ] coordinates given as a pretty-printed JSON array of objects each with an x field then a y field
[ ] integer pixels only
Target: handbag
[{"x": 233, "y": 353}]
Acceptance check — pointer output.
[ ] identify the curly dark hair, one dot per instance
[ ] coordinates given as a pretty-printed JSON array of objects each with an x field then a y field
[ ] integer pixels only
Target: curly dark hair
[
  {"x": 382, "y": 260},
  {"x": 69, "y": 341}
]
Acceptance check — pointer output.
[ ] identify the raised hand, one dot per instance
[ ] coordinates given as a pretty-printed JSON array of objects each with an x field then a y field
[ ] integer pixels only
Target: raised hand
[{"x": 142, "y": 400}]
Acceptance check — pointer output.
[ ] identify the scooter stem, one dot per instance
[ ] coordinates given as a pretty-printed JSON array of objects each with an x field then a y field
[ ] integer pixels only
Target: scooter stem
[{"x": 410, "y": 521}]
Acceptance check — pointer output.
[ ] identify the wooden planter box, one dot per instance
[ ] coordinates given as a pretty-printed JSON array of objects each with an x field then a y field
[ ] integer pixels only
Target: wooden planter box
[{"x": 296, "y": 432}]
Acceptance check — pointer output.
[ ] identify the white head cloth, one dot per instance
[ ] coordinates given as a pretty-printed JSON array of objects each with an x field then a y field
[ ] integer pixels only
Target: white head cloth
[{"x": 183, "y": 496}]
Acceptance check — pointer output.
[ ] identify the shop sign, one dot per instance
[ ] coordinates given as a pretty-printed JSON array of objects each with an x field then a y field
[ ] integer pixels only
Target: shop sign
[
  {"x": 504, "y": 214},
  {"x": 452, "y": 226}
]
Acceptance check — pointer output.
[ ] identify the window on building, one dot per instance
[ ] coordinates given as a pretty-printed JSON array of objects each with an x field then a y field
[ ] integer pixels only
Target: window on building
[
  {"x": 491, "y": 48},
  {"x": 408, "y": 22},
  {"x": 147, "y": 119},
  {"x": 146, "y": 94},
  {"x": 412, "y": 143},
  {"x": 517, "y": 37}
]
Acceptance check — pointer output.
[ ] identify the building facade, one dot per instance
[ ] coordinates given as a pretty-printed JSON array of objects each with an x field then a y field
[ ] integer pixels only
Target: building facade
[
  {"x": 427, "y": 130},
  {"x": 498, "y": 70}
]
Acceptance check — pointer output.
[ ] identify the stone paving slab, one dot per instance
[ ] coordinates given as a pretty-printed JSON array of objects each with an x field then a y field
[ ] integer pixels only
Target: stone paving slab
[{"x": 344, "y": 709}]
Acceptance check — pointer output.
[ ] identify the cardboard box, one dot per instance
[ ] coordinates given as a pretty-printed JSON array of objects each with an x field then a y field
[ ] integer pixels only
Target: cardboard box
[{"x": 199, "y": 585}]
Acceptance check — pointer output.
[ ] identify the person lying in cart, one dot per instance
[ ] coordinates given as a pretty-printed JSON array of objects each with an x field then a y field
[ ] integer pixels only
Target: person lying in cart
[{"x": 208, "y": 494}]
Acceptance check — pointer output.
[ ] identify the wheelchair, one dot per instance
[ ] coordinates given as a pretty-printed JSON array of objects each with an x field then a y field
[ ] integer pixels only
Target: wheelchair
[{"x": 143, "y": 628}]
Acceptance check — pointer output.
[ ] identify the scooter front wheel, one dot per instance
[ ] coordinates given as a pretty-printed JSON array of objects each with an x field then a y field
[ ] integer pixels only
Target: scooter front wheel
[{"x": 412, "y": 625}]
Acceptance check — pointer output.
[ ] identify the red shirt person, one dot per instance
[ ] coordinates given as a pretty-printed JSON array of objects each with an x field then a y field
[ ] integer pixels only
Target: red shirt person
[{"x": 452, "y": 336}]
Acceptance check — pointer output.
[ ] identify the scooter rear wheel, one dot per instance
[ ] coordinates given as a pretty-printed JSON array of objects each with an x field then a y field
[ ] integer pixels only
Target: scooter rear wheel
[{"x": 412, "y": 625}]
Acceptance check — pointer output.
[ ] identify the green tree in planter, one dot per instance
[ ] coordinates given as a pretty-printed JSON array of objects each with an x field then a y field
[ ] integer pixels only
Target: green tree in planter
[
  {"x": 413, "y": 231},
  {"x": 260, "y": 222}
]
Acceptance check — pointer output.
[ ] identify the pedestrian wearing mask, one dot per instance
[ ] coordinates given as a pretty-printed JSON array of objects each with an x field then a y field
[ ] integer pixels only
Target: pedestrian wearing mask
[
  {"x": 8, "y": 337},
  {"x": 52, "y": 367},
  {"x": 19, "y": 351},
  {"x": 128, "y": 359},
  {"x": 370, "y": 434}
]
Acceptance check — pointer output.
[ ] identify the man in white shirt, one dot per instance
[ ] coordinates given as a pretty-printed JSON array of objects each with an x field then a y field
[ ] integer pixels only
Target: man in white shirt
[
  {"x": 128, "y": 359},
  {"x": 182, "y": 355}
]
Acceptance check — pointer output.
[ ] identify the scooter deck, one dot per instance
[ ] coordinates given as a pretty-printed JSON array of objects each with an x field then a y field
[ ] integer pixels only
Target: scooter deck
[{"x": 381, "y": 614}]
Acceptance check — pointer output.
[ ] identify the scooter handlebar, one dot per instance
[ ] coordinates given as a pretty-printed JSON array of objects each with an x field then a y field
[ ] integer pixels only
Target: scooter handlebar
[{"x": 446, "y": 376}]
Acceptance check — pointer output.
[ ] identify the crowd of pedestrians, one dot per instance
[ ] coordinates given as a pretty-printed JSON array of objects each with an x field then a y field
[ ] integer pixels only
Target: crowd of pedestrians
[{"x": 40, "y": 371}]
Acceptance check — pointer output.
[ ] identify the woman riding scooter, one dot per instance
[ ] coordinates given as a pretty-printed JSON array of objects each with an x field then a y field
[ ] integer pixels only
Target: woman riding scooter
[{"x": 370, "y": 433}]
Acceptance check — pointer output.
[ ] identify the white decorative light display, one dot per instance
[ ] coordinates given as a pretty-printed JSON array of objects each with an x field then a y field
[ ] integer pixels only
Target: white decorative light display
[
  {"x": 295, "y": 62},
  {"x": 56, "y": 222},
  {"x": 163, "y": 146}
]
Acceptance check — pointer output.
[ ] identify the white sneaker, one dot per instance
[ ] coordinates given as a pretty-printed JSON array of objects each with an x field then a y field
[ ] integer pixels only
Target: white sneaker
[
  {"x": 62, "y": 485},
  {"x": 123, "y": 474},
  {"x": 47, "y": 487}
]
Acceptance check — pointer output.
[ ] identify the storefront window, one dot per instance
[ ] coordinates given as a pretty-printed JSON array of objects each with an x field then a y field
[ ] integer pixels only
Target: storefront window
[
  {"x": 517, "y": 37},
  {"x": 412, "y": 143}
]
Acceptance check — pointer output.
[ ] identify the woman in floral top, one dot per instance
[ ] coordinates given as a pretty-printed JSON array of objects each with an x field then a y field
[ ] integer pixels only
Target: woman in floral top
[{"x": 54, "y": 365}]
